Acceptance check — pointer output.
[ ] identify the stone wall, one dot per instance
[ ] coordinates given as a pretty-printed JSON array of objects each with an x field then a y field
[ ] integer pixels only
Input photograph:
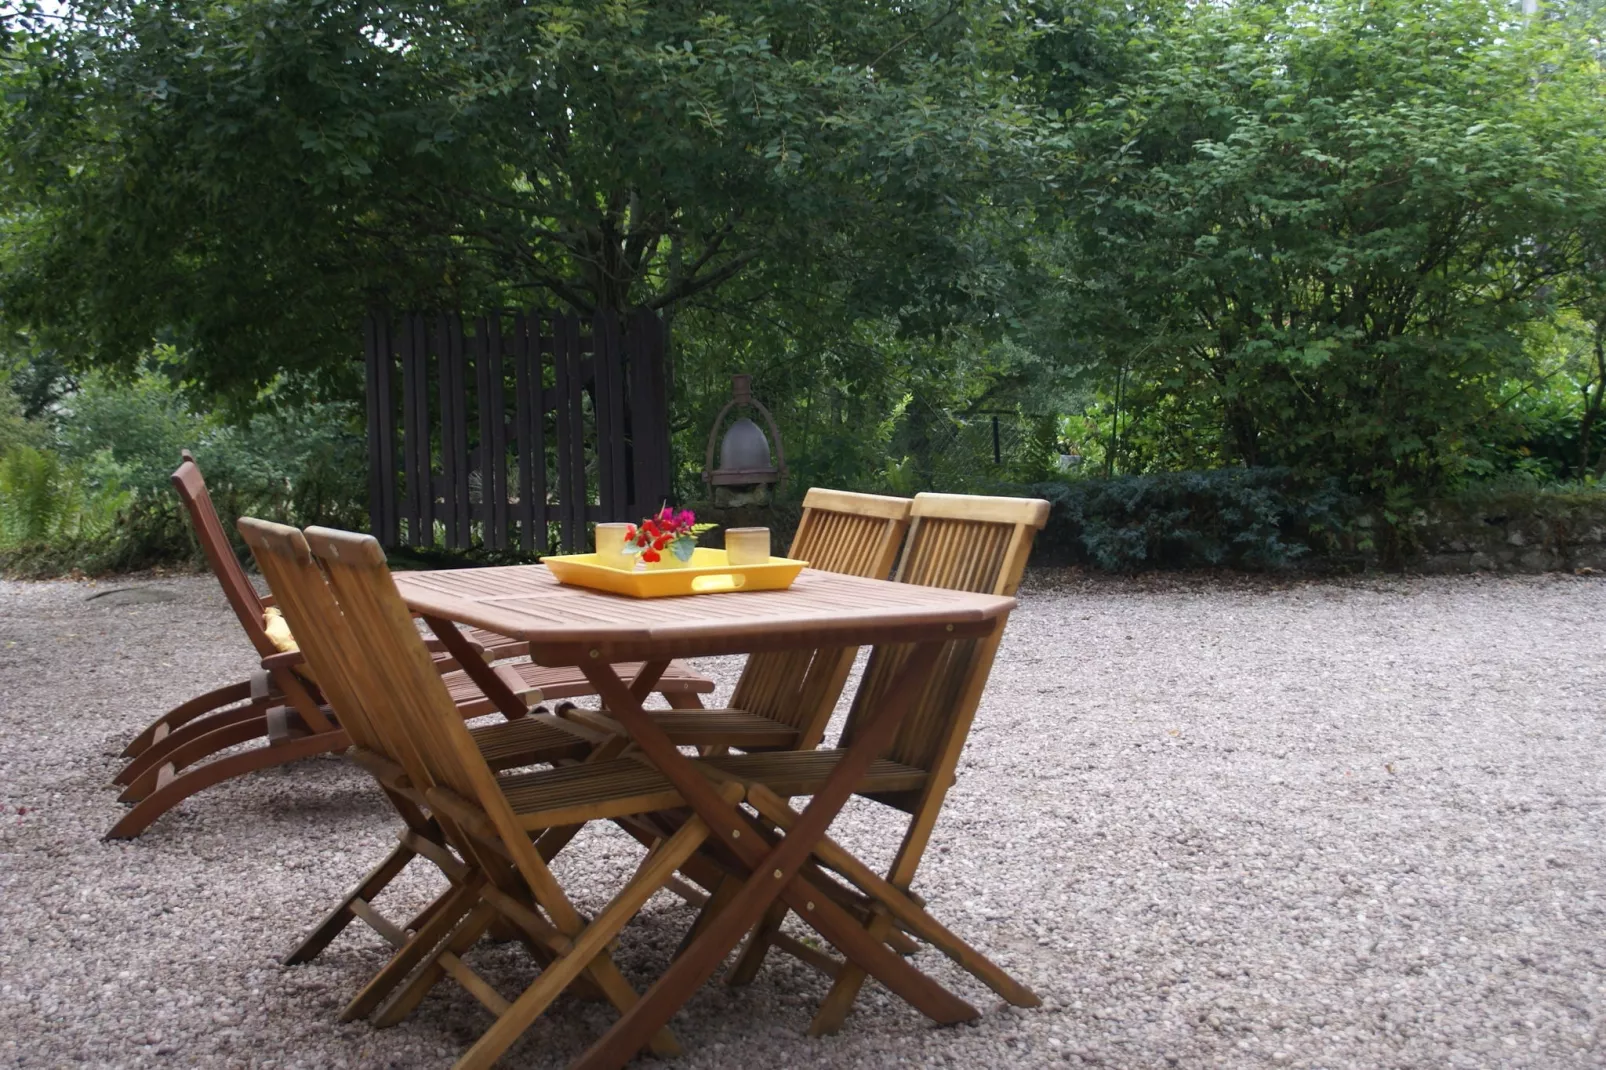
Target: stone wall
[
  {"x": 1535, "y": 532},
  {"x": 1515, "y": 533}
]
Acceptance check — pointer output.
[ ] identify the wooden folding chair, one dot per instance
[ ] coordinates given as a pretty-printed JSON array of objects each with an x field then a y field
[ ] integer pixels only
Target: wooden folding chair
[
  {"x": 281, "y": 704},
  {"x": 491, "y": 820},
  {"x": 299, "y": 589},
  {"x": 957, "y": 542},
  {"x": 783, "y": 700}
]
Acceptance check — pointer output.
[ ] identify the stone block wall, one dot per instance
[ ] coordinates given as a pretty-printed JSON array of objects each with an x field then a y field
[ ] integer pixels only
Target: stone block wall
[{"x": 1515, "y": 533}]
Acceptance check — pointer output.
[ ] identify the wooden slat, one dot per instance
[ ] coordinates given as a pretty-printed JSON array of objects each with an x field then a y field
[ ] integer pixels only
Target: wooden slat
[
  {"x": 413, "y": 426},
  {"x": 482, "y": 393},
  {"x": 422, "y": 447},
  {"x": 649, "y": 413},
  {"x": 527, "y": 433},
  {"x": 562, "y": 358},
  {"x": 643, "y": 465},
  {"x": 376, "y": 475},
  {"x": 658, "y": 398},
  {"x": 571, "y": 434},
  {"x": 540, "y": 358},
  {"x": 583, "y": 431},
  {"x": 546, "y": 343},
  {"x": 454, "y": 429},
  {"x": 385, "y": 459},
  {"x": 609, "y": 404},
  {"x": 460, "y": 522},
  {"x": 497, "y": 468}
]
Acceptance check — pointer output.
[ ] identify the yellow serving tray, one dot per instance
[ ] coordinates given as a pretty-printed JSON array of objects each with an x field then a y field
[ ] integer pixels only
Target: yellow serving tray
[{"x": 708, "y": 572}]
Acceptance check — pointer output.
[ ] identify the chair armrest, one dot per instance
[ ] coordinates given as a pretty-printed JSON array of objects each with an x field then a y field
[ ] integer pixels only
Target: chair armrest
[{"x": 287, "y": 660}]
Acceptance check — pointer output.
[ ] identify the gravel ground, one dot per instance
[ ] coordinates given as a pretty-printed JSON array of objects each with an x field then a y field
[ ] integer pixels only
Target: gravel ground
[{"x": 1212, "y": 823}]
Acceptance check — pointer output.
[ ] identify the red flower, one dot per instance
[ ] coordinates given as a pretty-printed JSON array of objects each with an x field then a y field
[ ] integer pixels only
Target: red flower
[
  {"x": 649, "y": 555},
  {"x": 630, "y": 533}
]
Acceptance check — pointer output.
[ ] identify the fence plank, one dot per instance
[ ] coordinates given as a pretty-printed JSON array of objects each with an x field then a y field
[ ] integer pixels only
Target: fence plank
[
  {"x": 604, "y": 392},
  {"x": 454, "y": 440},
  {"x": 493, "y": 485},
  {"x": 377, "y": 403},
  {"x": 458, "y": 523},
  {"x": 385, "y": 460},
  {"x": 526, "y": 430},
  {"x": 412, "y": 388},
  {"x": 482, "y": 394},
  {"x": 571, "y": 431},
  {"x": 653, "y": 438},
  {"x": 643, "y": 471},
  {"x": 424, "y": 447}
]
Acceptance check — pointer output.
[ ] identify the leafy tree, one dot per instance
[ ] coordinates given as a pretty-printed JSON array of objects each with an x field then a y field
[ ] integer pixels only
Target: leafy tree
[
  {"x": 1314, "y": 232},
  {"x": 243, "y": 179}
]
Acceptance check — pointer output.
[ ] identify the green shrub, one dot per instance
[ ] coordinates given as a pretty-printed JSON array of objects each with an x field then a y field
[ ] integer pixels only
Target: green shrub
[
  {"x": 1250, "y": 518},
  {"x": 15, "y": 428},
  {"x": 44, "y": 501},
  {"x": 119, "y": 442}
]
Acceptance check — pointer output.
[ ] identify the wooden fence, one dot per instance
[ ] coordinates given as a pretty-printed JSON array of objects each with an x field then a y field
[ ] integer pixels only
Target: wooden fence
[{"x": 532, "y": 425}]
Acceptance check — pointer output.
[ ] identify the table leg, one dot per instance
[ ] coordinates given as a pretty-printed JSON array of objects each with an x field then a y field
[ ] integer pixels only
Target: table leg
[
  {"x": 473, "y": 663},
  {"x": 773, "y": 871}
]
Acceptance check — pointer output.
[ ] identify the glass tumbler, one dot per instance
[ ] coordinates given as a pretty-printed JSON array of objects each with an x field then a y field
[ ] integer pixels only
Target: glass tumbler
[
  {"x": 611, "y": 547},
  {"x": 747, "y": 546}
]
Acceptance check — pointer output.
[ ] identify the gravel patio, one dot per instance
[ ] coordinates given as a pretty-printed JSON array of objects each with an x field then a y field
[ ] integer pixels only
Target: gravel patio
[{"x": 1212, "y": 822}]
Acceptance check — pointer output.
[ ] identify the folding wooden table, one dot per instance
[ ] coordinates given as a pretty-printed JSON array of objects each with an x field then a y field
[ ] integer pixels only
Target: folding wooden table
[{"x": 592, "y": 630}]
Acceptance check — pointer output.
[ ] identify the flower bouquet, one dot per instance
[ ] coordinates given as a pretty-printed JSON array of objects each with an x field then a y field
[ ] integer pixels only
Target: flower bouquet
[{"x": 670, "y": 532}]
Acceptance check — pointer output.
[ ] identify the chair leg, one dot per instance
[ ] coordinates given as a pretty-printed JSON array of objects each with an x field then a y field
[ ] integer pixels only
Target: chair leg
[
  {"x": 758, "y": 945},
  {"x": 186, "y": 712},
  {"x": 157, "y": 754},
  {"x": 456, "y": 904},
  {"x": 838, "y": 1002},
  {"x": 724, "y": 892},
  {"x": 590, "y": 946},
  {"x": 192, "y": 751},
  {"x": 343, "y": 914},
  {"x": 683, "y": 700},
  {"x": 193, "y": 780}
]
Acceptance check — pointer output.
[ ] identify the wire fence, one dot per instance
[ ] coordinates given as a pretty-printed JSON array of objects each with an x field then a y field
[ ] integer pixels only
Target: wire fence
[{"x": 971, "y": 452}]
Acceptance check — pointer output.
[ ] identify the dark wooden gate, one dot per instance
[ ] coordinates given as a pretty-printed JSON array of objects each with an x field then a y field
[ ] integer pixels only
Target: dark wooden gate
[{"x": 529, "y": 425}]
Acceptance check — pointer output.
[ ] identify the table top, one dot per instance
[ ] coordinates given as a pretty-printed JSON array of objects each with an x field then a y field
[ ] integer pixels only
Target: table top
[{"x": 564, "y": 624}]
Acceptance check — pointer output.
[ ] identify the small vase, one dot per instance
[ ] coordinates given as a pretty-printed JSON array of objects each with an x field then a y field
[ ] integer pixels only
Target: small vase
[{"x": 665, "y": 560}]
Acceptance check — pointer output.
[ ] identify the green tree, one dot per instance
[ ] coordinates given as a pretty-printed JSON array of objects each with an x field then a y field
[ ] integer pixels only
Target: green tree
[
  {"x": 1315, "y": 232},
  {"x": 244, "y": 179}
]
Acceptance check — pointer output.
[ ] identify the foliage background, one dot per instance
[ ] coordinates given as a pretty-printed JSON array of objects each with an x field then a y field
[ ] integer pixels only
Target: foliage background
[{"x": 1236, "y": 284}]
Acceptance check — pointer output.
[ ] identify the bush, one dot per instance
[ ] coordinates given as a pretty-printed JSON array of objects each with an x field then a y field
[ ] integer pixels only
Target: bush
[
  {"x": 43, "y": 501},
  {"x": 1249, "y": 518},
  {"x": 119, "y": 443}
]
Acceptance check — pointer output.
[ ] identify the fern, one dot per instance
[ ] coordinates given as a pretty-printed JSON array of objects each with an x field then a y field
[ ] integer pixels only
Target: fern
[{"x": 43, "y": 501}]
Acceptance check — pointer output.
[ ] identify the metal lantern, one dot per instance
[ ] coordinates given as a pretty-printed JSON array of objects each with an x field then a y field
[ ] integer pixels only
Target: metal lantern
[{"x": 745, "y": 471}]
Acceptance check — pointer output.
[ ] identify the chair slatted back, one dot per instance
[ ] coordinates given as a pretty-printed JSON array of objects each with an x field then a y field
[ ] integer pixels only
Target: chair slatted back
[
  {"x": 962, "y": 543},
  {"x": 220, "y": 555},
  {"x": 410, "y": 690},
  {"x": 326, "y": 640},
  {"x": 840, "y": 531}
]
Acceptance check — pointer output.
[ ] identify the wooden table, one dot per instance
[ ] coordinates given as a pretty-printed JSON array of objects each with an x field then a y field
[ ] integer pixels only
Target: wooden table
[{"x": 592, "y": 630}]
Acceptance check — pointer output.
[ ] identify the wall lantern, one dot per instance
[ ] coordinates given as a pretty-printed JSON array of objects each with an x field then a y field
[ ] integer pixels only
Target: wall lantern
[{"x": 745, "y": 472}]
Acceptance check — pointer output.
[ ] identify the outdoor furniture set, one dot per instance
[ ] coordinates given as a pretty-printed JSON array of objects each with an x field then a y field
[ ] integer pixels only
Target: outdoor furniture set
[{"x": 706, "y": 792}]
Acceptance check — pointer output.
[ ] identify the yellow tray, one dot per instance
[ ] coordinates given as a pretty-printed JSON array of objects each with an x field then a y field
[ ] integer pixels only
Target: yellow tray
[{"x": 708, "y": 572}]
